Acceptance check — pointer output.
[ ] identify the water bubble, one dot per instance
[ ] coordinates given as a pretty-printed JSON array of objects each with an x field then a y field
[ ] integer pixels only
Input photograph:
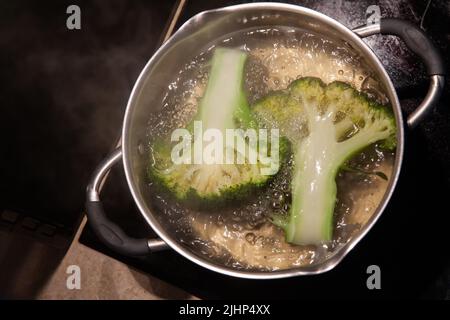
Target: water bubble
[
  {"x": 141, "y": 148},
  {"x": 251, "y": 238}
]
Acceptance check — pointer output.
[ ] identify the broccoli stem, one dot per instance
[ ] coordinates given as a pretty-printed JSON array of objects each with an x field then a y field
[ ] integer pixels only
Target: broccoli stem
[
  {"x": 224, "y": 95},
  {"x": 317, "y": 161},
  {"x": 314, "y": 186}
]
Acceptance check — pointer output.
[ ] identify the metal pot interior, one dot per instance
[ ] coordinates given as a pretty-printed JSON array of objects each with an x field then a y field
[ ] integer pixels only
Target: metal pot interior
[{"x": 199, "y": 31}]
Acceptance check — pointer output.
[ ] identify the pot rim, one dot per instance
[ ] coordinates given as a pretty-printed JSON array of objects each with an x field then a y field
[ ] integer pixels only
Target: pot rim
[{"x": 337, "y": 257}]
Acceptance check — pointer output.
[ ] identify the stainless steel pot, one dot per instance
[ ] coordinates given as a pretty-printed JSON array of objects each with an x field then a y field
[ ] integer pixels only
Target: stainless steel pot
[{"x": 199, "y": 31}]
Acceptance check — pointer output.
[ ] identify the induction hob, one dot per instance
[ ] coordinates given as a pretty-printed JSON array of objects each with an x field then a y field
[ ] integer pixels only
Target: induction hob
[{"x": 410, "y": 241}]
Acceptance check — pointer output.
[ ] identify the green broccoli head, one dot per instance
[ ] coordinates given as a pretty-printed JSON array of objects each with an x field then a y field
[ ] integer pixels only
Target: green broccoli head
[
  {"x": 356, "y": 112},
  {"x": 279, "y": 110},
  {"x": 204, "y": 184},
  {"x": 224, "y": 106},
  {"x": 337, "y": 122}
]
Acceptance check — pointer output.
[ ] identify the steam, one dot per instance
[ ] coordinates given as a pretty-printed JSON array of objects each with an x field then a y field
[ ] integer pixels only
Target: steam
[{"x": 65, "y": 92}]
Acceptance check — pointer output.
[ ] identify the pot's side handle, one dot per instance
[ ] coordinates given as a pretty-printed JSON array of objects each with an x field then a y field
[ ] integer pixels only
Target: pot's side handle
[
  {"x": 418, "y": 42},
  {"x": 107, "y": 231}
]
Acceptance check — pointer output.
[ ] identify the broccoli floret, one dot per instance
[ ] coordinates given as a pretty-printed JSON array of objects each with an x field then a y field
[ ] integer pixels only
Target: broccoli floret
[
  {"x": 223, "y": 106},
  {"x": 338, "y": 122}
]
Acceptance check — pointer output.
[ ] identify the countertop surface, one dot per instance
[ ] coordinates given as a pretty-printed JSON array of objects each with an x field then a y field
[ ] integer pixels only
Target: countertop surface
[{"x": 102, "y": 277}]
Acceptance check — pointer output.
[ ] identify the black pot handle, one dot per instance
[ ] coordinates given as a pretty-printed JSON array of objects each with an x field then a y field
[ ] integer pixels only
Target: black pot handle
[
  {"x": 418, "y": 42},
  {"x": 107, "y": 231}
]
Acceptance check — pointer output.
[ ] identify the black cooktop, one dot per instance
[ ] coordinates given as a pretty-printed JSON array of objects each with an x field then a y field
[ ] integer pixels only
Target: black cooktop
[
  {"x": 410, "y": 242},
  {"x": 63, "y": 94}
]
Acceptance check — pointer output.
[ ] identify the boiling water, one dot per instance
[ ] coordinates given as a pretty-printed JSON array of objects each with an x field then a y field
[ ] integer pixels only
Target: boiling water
[{"x": 242, "y": 236}]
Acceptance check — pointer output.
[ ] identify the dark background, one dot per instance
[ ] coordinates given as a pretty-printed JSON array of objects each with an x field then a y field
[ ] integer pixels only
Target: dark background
[
  {"x": 63, "y": 94},
  {"x": 62, "y": 98}
]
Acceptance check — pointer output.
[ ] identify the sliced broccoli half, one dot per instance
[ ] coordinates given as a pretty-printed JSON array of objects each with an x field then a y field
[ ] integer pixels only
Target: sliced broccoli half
[
  {"x": 223, "y": 106},
  {"x": 335, "y": 122}
]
